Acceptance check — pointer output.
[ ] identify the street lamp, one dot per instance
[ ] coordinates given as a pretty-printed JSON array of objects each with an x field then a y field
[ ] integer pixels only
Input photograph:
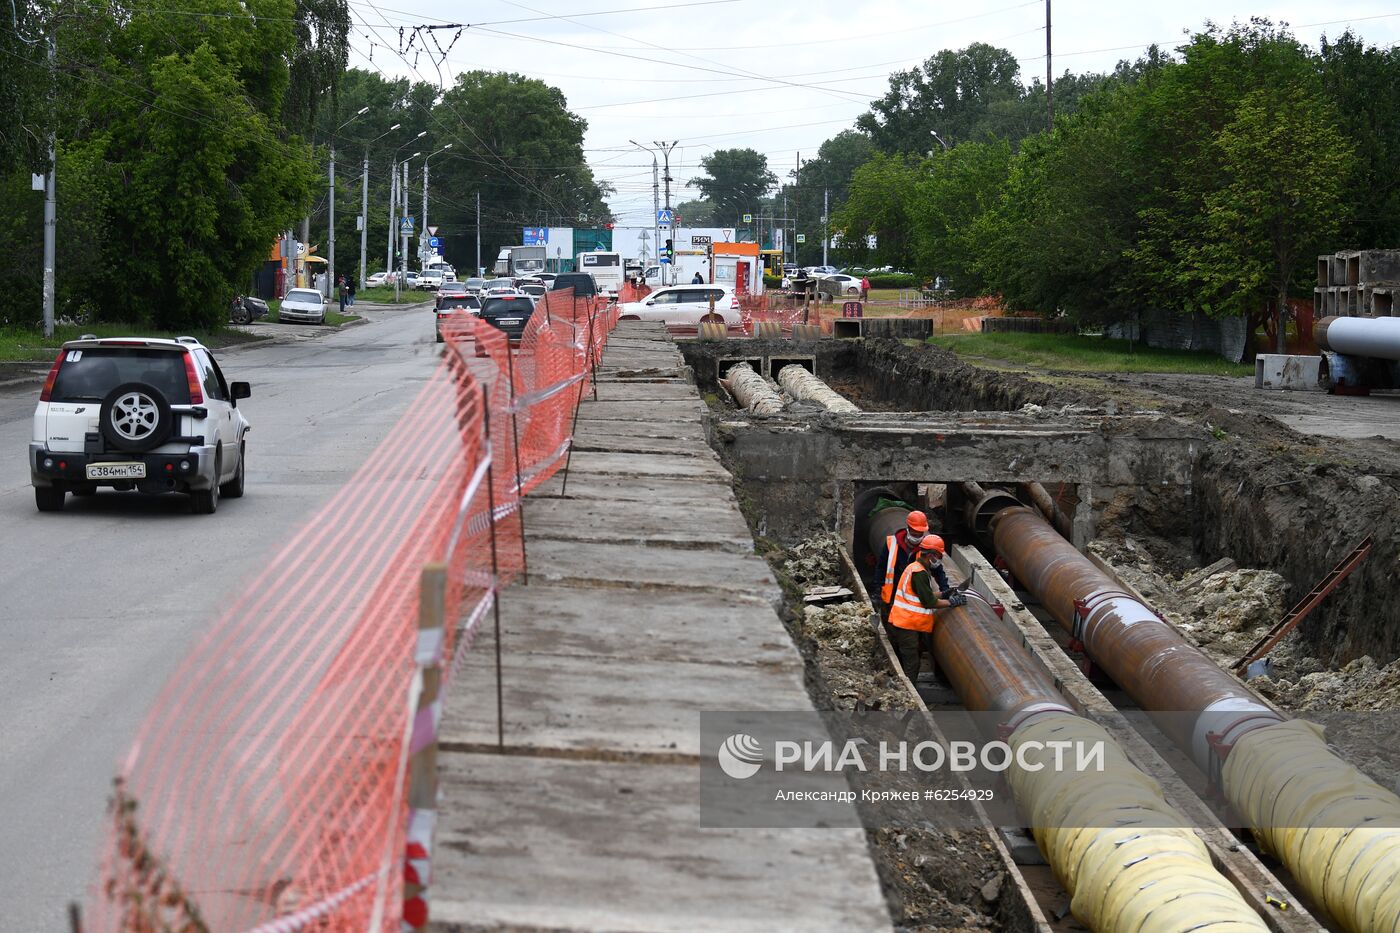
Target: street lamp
[
  {"x": 394, "y": 200},
  {"x": 655, "y": 202},
  {"x": 330, "y": 258},
  {"x": 423, "y": 232},
  {"x": 941, "y": 142},
  {"x": 364, "y": 199}
]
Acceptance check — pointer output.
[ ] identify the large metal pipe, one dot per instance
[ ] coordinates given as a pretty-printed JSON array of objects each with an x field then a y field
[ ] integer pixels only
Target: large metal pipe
[
  {"x": 1040, "y": 497},
  {"x": 802, "y": 385},
  {"x": 982, "y": 505},
  {"x": 1374, "y": 337},
  {"x": 1148, "y": 658},
  {"x": 1336, "y": 830},
  {"x": 752, "y": 391},
  {"x": 1127, "y": 859}
]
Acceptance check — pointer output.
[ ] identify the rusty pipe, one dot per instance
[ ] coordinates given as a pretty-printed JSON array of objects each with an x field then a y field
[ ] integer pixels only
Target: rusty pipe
[
  {"x": 1040, "y": 497},
  {"x": 1148, "y": 658},
  {"x": 982, "y": 505}
]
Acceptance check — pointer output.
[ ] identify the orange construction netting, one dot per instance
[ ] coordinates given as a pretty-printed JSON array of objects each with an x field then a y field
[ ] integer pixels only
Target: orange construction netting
[{"x": 266, "y": 787}]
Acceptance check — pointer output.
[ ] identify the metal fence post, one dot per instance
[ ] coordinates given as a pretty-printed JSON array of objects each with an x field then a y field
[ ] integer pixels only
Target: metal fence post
[{"x": 422, "y": 761}]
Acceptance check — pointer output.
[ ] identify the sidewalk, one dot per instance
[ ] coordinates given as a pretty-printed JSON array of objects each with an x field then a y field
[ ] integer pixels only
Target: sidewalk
[{"x": 646, "y": 605}]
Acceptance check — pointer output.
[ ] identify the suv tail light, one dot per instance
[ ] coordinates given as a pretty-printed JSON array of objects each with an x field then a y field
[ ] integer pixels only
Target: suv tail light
[
  {"x": 52, "y": 377},
  {"x": 192, "y": 377}
]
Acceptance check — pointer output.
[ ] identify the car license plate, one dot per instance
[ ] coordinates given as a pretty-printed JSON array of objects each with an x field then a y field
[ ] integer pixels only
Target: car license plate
[
  {"x": 507, "y": 320},
  {"x": 116, "y": 471}
]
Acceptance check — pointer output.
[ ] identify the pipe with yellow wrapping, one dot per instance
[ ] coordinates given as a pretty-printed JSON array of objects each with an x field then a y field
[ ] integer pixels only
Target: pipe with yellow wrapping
[{"x": 1128, "y": 860}]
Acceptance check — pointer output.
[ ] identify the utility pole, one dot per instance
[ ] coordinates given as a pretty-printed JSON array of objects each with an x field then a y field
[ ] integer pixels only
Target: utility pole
[
  {"x": 1049, "y": 74},
  {"x": 423, "y": 221},
  {"x": 655, "y": 213},
  {"x": 364, "y": 215},
  {"x": 403, "y": 231},
  {"x": 826, "y": 206},
  {"x": 330, "y": 249},
  {"x": 478, "y": 233},
  {"x": 50, "y": 210},
  {"x": 393, "y": 200},
  {"x": 797, "y": 210},
  {"x": 666, "y": 156}
]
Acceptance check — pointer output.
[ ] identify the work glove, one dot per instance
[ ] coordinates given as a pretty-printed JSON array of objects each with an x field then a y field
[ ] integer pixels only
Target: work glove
[{"x": 956, "y": 599}]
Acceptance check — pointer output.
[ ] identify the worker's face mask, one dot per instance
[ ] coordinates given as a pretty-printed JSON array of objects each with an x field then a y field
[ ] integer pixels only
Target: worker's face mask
[{"x": 913, "y": 537}]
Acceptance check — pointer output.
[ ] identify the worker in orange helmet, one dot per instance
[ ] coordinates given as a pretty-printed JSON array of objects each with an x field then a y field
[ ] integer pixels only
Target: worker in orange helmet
[
  {"x": 901, "y": 548},
  {"x": 912, "y": 609}
]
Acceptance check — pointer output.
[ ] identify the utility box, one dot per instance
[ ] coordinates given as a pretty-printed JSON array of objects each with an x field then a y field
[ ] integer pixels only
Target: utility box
[{"x": 1284, "y": 371}]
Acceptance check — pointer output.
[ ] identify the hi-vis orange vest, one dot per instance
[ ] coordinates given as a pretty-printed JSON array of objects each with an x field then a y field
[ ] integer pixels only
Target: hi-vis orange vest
[
  {"x": 907, "y": 611},
  {"x": 892, "y": 547}
]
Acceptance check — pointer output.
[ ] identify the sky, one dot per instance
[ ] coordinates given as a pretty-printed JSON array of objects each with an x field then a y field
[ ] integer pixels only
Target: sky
[{"x": 778, "y": 76}]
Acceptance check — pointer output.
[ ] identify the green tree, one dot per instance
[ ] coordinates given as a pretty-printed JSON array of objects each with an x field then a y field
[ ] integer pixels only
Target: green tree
[
  {"x": 1363, "y": 83},
  {"x": 878, "y": 204},
  {"x": 698, "y": 213},
  {"x": 1287, "y": 169},
  {"x": 958, "y": 187},
  {"x": 735, "y": 182},
  {"x": 950, "y": 95}
]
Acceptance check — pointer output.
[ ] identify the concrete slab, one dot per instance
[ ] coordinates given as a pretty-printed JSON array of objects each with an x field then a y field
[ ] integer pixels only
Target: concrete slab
[
  {"x": 715, "y": 525},
  {"x": 606, "y": 706},
  {"x": 547, "y": 618},
  {"x": 671, "y": 429},
  {"x": 645, "y": 391},
  {"x": 551, "y": 844},
  {"x": 677, "y": 410},
  {"x": 704, "y": 465},
  {"x": 631, "y": 565},
  {"x": 667, "y": 492}
]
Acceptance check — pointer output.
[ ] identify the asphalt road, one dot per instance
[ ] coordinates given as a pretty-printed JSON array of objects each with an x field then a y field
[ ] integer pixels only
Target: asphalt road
[{"x": 101, "y": 600}]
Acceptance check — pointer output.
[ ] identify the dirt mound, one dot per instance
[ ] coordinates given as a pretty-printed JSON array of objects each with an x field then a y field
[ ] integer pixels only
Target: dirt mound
[{"x": 1360, "y": 685}]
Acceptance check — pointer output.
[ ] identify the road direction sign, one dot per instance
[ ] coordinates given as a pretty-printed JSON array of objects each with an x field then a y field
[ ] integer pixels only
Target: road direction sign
[
  {"x": 434, "y": 241},
  {"x": 405, "y": 224},
  {"x": 665, "y": 216}
]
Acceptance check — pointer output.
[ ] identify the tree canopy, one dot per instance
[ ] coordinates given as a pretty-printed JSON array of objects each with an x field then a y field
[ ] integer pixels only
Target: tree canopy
[{"x": 734, "y": 183}]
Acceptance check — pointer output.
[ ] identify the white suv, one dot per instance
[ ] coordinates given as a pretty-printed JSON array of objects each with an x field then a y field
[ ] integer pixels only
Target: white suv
[{"x": 152, "y": 415}]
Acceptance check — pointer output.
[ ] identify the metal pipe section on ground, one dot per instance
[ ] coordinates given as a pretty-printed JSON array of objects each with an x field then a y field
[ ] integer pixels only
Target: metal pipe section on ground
[
  {"x": 1127, "y": 859},
  {"x": 752, "y": 391},
  {"x": 1040, "y": 496},
  {"x": 1374, "y": 337},
  {"x": 805, "y": 387},
  {"x": 1336, "y": 830}
]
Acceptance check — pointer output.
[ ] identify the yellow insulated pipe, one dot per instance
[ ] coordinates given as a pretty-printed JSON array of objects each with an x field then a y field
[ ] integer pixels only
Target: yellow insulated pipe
[
  {"x": 1336, "y": 829},
  {"x": 1127, "y": 859}
]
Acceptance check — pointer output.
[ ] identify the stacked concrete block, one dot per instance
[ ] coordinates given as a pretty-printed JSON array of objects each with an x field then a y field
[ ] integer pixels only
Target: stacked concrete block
[{"x": 1358, "y": 283}]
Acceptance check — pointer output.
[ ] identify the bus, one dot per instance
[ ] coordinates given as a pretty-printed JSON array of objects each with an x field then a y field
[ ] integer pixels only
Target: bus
[{"x": 606, "y": 269}]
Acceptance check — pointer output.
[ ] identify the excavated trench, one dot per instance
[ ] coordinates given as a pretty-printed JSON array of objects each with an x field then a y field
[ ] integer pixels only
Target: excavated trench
[{"x": 1251, "y": 518}]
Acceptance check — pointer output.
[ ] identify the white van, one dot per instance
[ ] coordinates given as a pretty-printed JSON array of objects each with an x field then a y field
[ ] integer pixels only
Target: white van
[{"x": 606, "y": 269}]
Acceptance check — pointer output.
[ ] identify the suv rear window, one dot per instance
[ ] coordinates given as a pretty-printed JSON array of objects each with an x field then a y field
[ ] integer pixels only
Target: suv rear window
[
  {"x": 581, "y": 282},
  {"x": 457, "y": 301},
  {"x": 507, "y": 306},
  {"x": 88, "y": 374}
]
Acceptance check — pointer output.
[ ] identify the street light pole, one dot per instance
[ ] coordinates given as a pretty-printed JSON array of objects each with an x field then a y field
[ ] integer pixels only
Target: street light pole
[
  {"x": 478, "y": 233},
  {"x": 50, "y": 215},
  {"x": 423, "y": 221},
  {"x": 364, "y": 208},
  {"x": 655, "y": 207},
  {"x": 330, "y": 254},
  {"x": 394, "y": 190},
  {"x": 666, "y": 156}
]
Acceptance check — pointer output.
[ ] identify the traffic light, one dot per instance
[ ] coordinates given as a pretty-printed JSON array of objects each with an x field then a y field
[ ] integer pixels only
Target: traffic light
[{"x": 667, "y": 252}]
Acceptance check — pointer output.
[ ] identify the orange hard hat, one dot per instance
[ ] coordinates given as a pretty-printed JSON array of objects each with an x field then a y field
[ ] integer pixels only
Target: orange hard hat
[
  {"x": 932, "y": 543},
  {"x": 917, "y": 521}
]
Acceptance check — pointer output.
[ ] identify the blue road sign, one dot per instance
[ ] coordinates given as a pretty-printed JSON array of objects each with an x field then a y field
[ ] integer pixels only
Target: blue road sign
[
  {"x": 405, "y": 224},
  {"x": 435, "y": 241},
  {"x": 665, "y": 216}
]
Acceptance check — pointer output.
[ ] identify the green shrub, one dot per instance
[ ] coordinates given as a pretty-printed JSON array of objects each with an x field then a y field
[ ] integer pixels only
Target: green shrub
[
  {"x": 888, "y": 280},
  {"x": 772, "y": 281}
]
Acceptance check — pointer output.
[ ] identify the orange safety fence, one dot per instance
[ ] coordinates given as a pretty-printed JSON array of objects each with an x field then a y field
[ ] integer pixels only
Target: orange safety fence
[{"x": 266, "y": 788}]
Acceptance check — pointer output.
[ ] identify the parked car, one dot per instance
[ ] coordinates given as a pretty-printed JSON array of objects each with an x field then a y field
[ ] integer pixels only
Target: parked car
[
  {"x": 303, "y": 305},
  {"x": 377, "y": 279},
  {"x": 152, "y": 415},
  {"x": 839, "y": 286},
  {"x": 446, "y": 305},
  {"x": 245, "y": 309},
  {"x": 582, "y": 283},
  {"x": 685, "y": 306},
  {"x": 509, "y": 313}
]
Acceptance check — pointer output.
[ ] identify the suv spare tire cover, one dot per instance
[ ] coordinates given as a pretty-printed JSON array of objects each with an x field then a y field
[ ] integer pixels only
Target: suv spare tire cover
[{"x": 135, "y": 416}]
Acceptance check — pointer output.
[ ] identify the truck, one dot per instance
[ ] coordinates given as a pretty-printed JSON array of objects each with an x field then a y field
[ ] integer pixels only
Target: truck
[{"x": 520, "y": 260}]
